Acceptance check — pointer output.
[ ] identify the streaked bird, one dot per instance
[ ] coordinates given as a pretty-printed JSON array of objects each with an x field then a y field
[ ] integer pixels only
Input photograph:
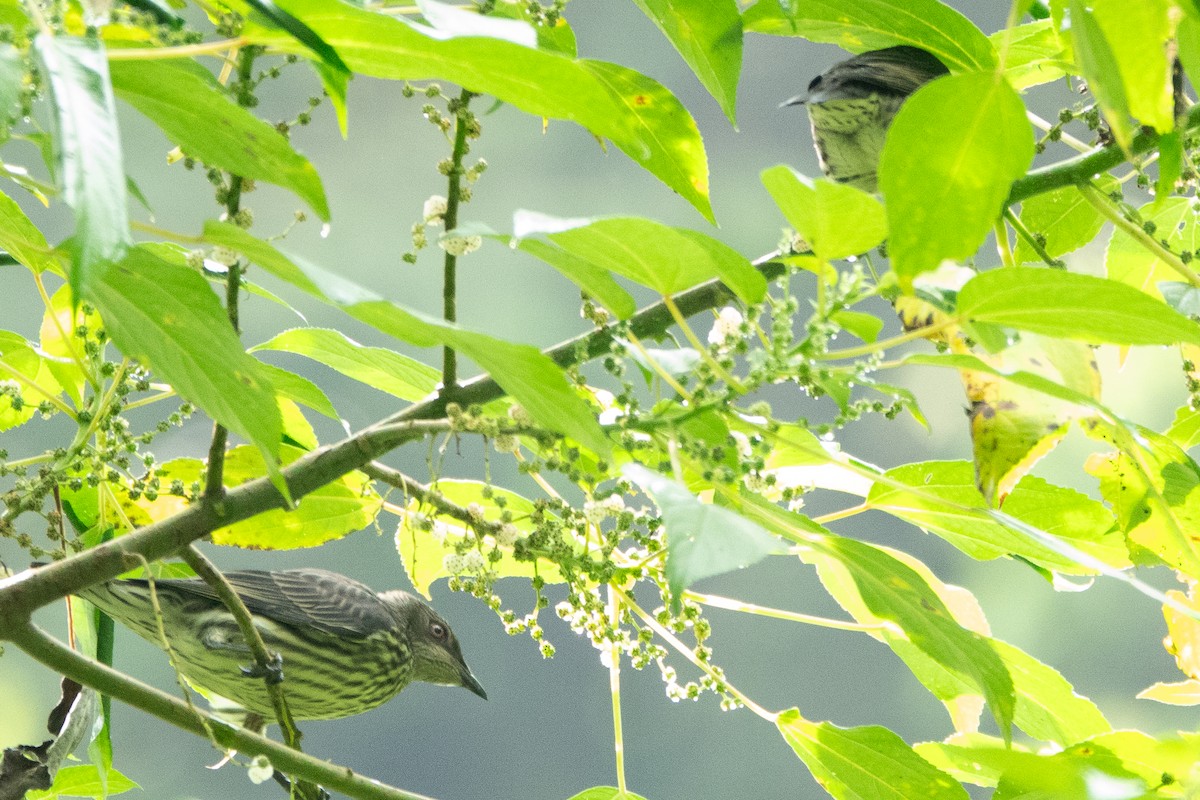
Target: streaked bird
[
  {"x": 851, "y": 105},
  {"x": 345, "y": 648}
]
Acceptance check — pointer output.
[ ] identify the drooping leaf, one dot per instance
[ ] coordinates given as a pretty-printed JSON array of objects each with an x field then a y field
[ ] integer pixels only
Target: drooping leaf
[
  {"x": 659, "y": 134},
  {"x": 950, "y": 158},
  {"x": 874, "y": 24},
  {"x": 637, "y": 114},
  {"x": 1072, "y": 306},
  {"x": 87, "y": 149},
  {"x": 185, "y": 100},
  {"x": 943, "y": 492},
  {"x": 708, "y": 34},
  {"x": 862, "y": 577},
  {"x": 1098, "y": 64},
  {"x": 530, "y": 377},
  {"x": 166, "y": 316},
  {"x": 386, "y": 370},
  {"x": 866, "y": 763},
  {"x": 702, "y": 539},
  {"x": 1012, "y": 427}
]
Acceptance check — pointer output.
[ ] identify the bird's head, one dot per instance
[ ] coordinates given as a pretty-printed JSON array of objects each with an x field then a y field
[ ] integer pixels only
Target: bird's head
[{"x": 437, "y": 656}]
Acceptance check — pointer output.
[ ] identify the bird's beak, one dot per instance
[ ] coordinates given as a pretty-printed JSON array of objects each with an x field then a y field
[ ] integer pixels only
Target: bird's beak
[
  {"x": 798, "y": 100},
  {"x": 469, "y": 681}
]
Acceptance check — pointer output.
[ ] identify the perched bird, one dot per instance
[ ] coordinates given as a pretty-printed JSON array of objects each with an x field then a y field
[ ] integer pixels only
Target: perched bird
[
  {"x": 851, "y": 105},
  {"x": 345, "y": 648}
]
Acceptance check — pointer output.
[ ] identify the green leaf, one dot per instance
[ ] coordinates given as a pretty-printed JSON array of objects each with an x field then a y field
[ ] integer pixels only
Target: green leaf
[
  {"x": 524, "y": 372},
  {"x": 1036, "y": 54},
  {"x": 333, "y": 511},
  {"x": 865, "y": 327},
  {"x": 1185, "y": 430},
  {"x": 84, "y": 780},
  {"x": 1129, "y": 261},
  {"x": 22, "y": 240},
  {"x": 708, "y": 34},
  {"x": 194, "y": 111},
  {"x": 667, "y": 260},
  {"x": 606, "y": 793},
  {"x": 702, "y": 539},
  {"x": 12, "y": 76},
  {"x": 299, "y": 390},
  {"x": 166, "y": 316},
  {"x": 948, "y": 163},
  {"x": 1012, "y": 426},
  {"x": 943, "y": 493},
  {"x": 835, "y": 219},
  {"x": 873, "y": 24},
  {"x": 1135, "y": 33},
  {"x": 659, "y": 134},
  {"x": 1071, "y": 306},
  {"x": 1182, "y": 693},
  {"x": 638, "y": 115},
  {"x": 20, "y": 363},
  {"x": 87, "y": 149},
  {"x": 1098, "y": 65},
  {"x": 1064, "y": 217},
  {"x": 1047, "y": 706},
  {"x": 864, "y": 577},
  {"x": 300, "y": 32},
  {"x": 383, "y": 369},
  {"x": 865, "y": 763},
  {"x": 1153, "y": 487}
]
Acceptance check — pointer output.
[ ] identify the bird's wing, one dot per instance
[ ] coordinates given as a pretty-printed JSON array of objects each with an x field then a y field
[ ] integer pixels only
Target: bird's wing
[{"x": 327, "y": 601}]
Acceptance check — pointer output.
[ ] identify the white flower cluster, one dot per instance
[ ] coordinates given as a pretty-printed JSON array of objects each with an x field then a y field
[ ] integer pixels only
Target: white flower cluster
[
  {"x": 434, "y": 209},
  {"x": 726, "y": 328},
  {"x": 596, "y": 511},
  {"x": 458, "y": 245}
]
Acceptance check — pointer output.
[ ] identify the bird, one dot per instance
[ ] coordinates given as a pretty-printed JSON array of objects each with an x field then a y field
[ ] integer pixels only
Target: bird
[
  {"x": 344, "y": 648},
  {"x": 852, "y": 104}
]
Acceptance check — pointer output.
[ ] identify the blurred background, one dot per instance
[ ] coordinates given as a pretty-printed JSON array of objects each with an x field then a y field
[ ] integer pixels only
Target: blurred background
[{"x": 546, "y": 731}]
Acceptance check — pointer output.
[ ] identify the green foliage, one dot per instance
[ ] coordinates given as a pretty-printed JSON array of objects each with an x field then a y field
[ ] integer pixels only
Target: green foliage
[{"x": 655, "y": 453}]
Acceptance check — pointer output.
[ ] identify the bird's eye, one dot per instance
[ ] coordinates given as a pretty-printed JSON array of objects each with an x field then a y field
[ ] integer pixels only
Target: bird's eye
[{"x": 437, "y": 630}]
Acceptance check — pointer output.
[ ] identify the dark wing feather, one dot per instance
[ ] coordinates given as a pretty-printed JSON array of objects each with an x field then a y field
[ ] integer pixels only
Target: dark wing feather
[
  {"x": 327, "y": 601},
  {"x": 897, "y": 71}
]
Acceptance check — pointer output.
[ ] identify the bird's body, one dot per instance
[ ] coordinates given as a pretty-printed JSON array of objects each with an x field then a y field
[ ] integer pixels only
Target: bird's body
[
  {"x": 345, "y": 648},
  {"x": 851, "y": 105}
]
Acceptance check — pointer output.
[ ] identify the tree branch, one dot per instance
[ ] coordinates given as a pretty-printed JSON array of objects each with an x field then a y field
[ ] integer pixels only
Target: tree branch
[{"x": 1086, "y": 166}]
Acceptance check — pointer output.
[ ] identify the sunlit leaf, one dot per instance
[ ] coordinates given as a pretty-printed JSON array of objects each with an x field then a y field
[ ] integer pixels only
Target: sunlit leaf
[
  {"x": 87, "y": 149},
  {"x": 708, "y": 34},
  {"x": 866, "y": 763},
  {"x": 944, "y": 185},
  {"x": 874, "y": 24}
]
